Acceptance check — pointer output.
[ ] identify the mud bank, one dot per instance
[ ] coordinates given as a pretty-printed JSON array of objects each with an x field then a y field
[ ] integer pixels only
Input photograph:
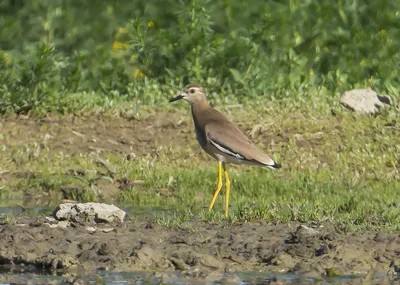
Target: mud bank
[{"x": 142, "y": 245}]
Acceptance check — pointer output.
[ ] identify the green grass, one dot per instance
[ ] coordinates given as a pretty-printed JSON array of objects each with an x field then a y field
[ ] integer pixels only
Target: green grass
[{"x": 342, "y": 169}]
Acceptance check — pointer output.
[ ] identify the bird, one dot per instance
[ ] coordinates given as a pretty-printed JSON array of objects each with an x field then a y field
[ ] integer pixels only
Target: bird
[{"x": 221, "y": 139}]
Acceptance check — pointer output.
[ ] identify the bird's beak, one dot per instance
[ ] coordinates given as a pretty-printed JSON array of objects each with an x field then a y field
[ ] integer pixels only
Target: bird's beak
[{"x": 179, "y": 97}]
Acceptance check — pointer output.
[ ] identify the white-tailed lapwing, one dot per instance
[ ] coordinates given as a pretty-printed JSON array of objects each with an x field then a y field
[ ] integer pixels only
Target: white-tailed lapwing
[{"x": 221, "y": 139}]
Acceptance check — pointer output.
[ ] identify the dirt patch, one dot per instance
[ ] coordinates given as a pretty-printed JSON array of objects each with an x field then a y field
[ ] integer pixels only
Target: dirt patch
[
  {"x": 96, "y": 133},
  {"x": 142, "y": 245},
  {"x": 74, "y": 135}
]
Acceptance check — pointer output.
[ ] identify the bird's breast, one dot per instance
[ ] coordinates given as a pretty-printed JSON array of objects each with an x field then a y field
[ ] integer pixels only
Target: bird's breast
[{"x": 200, "y": 133}]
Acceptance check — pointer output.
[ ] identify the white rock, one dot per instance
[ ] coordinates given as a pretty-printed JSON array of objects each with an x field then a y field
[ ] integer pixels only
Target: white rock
[
  {"x": 89, "y": 212},
  {"x": 364, "y": 100},
  {"x": 307, "y": 230},
  {"x": 91, "y": 229},
  {"x": 107, "y": 230}
]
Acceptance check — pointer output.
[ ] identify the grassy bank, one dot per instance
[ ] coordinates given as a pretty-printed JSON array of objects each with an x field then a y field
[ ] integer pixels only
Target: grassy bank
[{"x": 341, "y": 168}]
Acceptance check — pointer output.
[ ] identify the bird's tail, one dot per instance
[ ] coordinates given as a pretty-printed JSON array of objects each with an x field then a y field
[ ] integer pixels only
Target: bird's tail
[
  {"x": 270, "y": 163},
  {"x": 274, "y": 165}
]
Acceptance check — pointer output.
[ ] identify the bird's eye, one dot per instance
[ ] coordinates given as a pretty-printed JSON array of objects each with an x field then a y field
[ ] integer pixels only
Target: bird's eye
[{"x": 192, "y": 91}]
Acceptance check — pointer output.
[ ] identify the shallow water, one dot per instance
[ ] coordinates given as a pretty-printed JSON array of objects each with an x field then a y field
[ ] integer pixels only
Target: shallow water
[
  {"x": 15, "y": 210},
  {"x": 137, "y": 210},
  {"x": 147, "y": 278}
]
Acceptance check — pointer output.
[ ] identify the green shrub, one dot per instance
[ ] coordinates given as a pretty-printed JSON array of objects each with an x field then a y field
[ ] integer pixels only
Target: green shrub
[{"x": 51, "y": 50}]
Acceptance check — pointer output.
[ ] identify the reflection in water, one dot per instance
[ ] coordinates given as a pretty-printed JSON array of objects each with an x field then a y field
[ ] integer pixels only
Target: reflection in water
[
  {"x": 240, "y": 278},
  {"x": 19, "y": 210},
  {"x": 137, "y": 210}
]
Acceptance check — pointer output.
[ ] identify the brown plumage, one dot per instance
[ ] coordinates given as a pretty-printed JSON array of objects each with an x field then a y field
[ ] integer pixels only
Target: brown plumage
[{"x": 220, "y": 138}]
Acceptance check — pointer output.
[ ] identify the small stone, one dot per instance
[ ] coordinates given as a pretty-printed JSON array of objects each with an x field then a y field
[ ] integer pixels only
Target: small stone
[
  {"x": 107, "y": 230},
  {"x": 60, "y": 224},
  {"x": 306, "y": 231},
  {"x": 89, "y": 212},
  {"x": 91, "y": 229},
  {"x": 364, "y": 101}
]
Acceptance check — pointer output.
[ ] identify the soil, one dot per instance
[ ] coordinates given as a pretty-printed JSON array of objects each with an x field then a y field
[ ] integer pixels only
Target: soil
[
  {"x": 139, "y": 244},
  {"x": 74, "y": 135},
  {"x": 82, "y": 134}
]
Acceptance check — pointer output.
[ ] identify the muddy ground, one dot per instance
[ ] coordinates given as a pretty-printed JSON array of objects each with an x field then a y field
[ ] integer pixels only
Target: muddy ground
[{"x": 139, "y": 244}]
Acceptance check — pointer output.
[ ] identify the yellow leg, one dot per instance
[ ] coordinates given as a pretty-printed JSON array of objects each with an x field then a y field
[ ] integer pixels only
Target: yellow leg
[
  {"x": 228, "y": 188},
  {"x": 219, "y": 186}
]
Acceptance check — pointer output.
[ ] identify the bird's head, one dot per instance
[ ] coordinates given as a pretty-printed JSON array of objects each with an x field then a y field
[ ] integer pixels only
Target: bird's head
[{"x": 193, "y": 93}]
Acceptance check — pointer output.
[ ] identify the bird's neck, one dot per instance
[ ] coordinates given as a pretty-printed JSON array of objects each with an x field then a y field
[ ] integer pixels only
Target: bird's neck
[
  {"x": 199, "y": 109},
  {"x": 199, "y": 106}
]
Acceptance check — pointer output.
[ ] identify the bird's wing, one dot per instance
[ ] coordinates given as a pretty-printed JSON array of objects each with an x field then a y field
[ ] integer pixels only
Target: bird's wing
[{"x": 227, "y": 138}]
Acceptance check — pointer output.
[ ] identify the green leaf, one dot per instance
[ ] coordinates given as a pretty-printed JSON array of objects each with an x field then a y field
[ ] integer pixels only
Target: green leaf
[{"x": 236, "y": 75}]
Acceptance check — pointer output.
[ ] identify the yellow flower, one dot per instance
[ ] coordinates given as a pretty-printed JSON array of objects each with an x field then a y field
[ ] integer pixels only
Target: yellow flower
[
  {"x": 119, "y": 45},
  {"x": 138, "y": 73},
  {"x": 122, "y": 30},
  {"x": 370, "y": 80},
  {"x": 340, "y": 83},
  {"x": 311, "y": 73},
  {"x": 6, "y": 56},
  {"x": 150, "y": 24}
]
